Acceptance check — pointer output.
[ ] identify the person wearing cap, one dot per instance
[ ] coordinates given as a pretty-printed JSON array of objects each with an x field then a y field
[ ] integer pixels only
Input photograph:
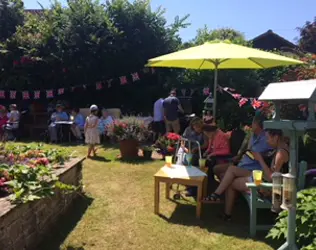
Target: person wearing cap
[
  {"x": 171, "y": 107},
  {"x": 58, "y": 115},
  {"x": 91, "y": 131}
]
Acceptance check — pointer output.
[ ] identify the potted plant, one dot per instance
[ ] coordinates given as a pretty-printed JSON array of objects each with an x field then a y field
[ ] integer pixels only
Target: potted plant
[
  {"x": 147, "y": 152},
  {"x": 128, "y": 131},
  {"x": 166, "y": 144}
]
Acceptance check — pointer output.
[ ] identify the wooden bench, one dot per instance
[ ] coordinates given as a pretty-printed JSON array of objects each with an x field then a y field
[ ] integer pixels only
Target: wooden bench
[{"x": 255, "y": 202}]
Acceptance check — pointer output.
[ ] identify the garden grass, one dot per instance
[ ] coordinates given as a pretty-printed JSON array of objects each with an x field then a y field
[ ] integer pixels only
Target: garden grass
[{"x": 120, "y": 214}]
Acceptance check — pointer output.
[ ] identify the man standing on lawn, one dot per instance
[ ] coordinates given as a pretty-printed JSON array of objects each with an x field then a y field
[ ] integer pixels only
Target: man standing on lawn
[
  {"x": 159, "y": 124},
  {"x": 171, "y": 107}
]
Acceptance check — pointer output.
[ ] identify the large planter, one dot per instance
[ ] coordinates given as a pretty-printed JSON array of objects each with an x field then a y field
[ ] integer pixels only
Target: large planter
[{"x": 129, "y": 149}]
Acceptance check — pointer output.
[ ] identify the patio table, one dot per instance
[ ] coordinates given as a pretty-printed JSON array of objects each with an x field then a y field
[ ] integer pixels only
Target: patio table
[{"x": 192, "y": 177}]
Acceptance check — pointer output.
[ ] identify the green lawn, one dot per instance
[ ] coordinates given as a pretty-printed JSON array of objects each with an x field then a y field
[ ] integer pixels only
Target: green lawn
[{"x": 120, "y": 214}]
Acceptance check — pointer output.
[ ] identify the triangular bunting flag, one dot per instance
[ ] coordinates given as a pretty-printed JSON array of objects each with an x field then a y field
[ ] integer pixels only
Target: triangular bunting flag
[
  {"x": 236, "y": 96},
  {"x": 123, "y": 80},
  {"x": 206, "y": 91},
  {"x": 2, "y": 94},
  {"x": 61, "y": 91},
  {"x": 135, "y": 77},
  {"x": 37, "y": 94},
  {"x": 109, "y": 83},
  {"x": 98, "y": 85},
  {"x": 25, "y": 95},
  {"x": 49, "y": 93},
  {"x": 183, "y": 91},
  {"x": 12, "y": 94},
  {"x": 192, "y": 91},
  {"x": 242, "y": 101}
]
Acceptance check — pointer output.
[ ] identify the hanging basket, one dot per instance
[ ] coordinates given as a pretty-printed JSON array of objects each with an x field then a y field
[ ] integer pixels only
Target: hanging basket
[{"x": 129, "y": 149}]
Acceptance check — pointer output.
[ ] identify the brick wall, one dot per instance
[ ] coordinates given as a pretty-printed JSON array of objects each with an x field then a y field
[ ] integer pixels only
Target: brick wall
[{"x": 22, "y": 227}]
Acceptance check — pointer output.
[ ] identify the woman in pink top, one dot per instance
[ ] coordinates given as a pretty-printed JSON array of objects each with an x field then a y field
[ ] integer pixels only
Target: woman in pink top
[
  {"x": 218, "y": 142},
  {"x": 217, "y": 152}
]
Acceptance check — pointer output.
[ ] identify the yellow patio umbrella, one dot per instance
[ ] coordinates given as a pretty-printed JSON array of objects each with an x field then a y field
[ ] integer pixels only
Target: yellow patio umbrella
[{"x": 221, "y": 55}]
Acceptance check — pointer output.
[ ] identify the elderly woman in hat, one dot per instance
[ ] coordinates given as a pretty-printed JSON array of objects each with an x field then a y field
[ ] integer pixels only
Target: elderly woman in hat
[{"x": 58, "y": 115}]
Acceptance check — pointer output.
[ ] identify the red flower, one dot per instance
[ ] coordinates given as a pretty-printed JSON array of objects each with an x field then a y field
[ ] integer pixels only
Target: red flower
[{"x": 15, "y": 63}]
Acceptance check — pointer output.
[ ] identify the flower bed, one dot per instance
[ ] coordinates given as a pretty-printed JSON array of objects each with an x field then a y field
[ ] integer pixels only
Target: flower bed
[
  {"x": 27, "y": 173},
  {"x": 33, "y": 185}
]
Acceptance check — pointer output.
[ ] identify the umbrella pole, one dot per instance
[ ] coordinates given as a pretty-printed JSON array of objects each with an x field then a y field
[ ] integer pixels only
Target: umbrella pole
[{"x": 215, "y": 91}]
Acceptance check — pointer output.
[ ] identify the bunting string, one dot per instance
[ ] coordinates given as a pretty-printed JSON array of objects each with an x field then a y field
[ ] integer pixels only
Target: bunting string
[{"x": 51, "y": 93}]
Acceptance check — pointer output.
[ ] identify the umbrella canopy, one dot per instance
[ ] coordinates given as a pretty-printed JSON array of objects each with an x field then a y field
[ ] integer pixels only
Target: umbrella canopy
[{"x": 221, "y": 55}]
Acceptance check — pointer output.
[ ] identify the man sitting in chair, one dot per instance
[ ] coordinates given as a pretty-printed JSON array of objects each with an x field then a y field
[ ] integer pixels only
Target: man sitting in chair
[{"x": 58, "y": 115}]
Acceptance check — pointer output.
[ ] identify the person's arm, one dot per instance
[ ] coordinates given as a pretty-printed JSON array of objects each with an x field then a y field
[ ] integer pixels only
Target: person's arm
[
  {"x": 179, "y": 106},
  {"x": 279, "y": 160}
]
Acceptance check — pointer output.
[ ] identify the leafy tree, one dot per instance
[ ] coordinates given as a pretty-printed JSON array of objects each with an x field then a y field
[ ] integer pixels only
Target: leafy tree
[
  {"x": 205, "y": 34},
  {"x": 11, "y": 15},
  {"x": 87, "y": 42},
  {"x": 307, "y": 40}
]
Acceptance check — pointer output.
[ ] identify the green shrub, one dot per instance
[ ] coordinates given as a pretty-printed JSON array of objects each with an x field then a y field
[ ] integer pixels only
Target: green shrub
[{"x": 305, "y": 221}]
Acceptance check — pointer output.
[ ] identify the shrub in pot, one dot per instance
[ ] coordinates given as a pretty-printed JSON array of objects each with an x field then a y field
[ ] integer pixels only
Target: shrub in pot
[{"x": 129, "y": 132}]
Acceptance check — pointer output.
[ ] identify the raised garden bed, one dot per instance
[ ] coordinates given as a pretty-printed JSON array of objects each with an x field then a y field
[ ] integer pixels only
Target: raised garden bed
[{"x": 24, "y": 225}]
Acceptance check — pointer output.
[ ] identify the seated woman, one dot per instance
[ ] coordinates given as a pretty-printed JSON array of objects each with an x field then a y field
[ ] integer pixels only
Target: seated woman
[
  {"x": 59, "y": 115},
  {"x": 77, "y": 126},
  {"x": 235, "y": 181},
  {"x": 217, "y": 152},
  {"x": 193, "y": 133},
  {"x": 105, "y": 121},
  {"x": 254, "y": 141}
]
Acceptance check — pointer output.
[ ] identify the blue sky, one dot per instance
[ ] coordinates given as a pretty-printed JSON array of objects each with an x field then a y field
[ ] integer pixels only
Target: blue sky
[{"x": 252, "y": 17}]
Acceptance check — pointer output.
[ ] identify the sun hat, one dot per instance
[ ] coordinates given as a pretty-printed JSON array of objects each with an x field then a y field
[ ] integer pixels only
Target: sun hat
[{"x": 93, "y": 107}]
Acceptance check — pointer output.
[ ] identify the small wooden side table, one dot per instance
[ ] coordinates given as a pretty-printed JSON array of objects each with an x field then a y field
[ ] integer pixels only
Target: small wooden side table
[{"x": 198, "y": 181}]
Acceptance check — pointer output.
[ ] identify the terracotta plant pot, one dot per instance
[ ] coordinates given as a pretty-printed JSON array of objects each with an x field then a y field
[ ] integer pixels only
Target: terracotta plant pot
[{"x": 129, "y": 149}]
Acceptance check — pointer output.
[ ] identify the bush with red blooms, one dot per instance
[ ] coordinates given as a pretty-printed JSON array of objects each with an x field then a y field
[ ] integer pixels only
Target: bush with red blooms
[{"x": 166, "y": 145}]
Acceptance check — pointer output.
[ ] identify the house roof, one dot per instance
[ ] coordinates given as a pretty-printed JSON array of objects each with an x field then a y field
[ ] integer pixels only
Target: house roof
[{"x": 277, "y": 37}]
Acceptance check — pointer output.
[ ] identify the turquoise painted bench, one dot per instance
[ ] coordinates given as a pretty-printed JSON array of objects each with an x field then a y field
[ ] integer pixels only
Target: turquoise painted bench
[{"x": 255, "y": 202}]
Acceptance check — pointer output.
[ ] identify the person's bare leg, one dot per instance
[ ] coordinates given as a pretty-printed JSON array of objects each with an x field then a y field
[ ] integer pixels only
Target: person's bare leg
[
  {"x": 220, "y": 169},
  {"x": 232, "y": 173},
  {"x": 238, "y": 185},
  {"x": 89, "y": 150}
]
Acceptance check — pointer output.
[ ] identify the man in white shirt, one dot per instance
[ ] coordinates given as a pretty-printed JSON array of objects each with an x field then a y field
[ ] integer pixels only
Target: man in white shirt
[{"x": 159, "y": 124}]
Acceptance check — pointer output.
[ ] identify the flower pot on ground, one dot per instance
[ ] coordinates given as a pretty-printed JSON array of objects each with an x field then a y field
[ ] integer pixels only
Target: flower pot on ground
[
  {"x": 147, "y": 152},
  {"x": 129, "y": 132},
  {"x": 129, "y": 149}
]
